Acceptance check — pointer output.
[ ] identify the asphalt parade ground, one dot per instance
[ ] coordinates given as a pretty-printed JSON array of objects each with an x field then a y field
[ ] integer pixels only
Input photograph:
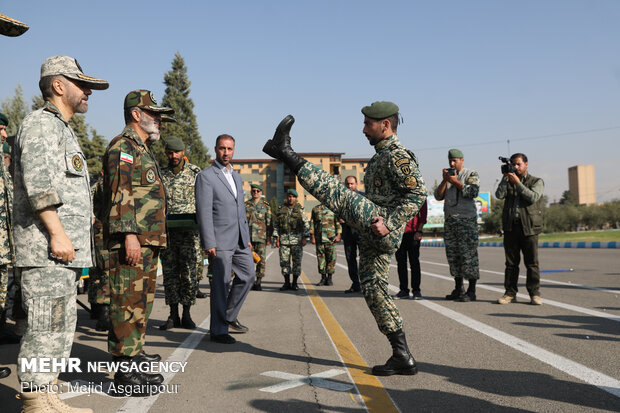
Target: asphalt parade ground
[{"x": 311, "y": 350}]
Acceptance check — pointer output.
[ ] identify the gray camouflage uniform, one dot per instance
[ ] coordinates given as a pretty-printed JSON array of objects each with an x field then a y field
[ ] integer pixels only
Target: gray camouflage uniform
[
  {"x": 50, "y": 171},
  {"x": 6, "y": 235}
]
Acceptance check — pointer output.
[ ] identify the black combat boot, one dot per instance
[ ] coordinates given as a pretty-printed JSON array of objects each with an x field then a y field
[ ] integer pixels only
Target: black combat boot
[
  {"x": 134, "y": 383},
  {"x": 470, "y": 295},
  {"x": 279, "y": 146},
  {"x": 103, "y": 318},
  {"x": 401, "y": 362},
  {"x": 173, "y": 319},
  {"x": 294, "y": 286},
  {"x": 186, "y": 320},
  {"x": 94, "y": 311},
  {"x": 458, "y": 291},
  {"x": 328, "y": 280},
  {"x": 323, "y": 279},
  {"x": 287, "y": 283}
]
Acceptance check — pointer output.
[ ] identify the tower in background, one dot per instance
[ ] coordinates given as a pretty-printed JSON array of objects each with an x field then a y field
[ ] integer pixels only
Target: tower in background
[{"x": 581, "y": 184}]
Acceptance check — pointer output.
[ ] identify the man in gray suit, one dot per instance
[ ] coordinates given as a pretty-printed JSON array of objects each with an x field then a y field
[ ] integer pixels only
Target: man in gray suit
[{"x": 223, "y": 226}]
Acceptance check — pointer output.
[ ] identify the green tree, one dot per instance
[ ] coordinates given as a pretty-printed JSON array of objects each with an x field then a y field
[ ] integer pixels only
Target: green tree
[
  {"x": 15, "y": 109},
  {"x": 492, "y": 223},
  {"x": 177, "y": 97},
  {"x": 568, "y": 198}
]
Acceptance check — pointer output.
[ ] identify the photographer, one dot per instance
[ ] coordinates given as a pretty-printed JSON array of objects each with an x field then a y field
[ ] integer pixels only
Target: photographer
[
  {"x": 459, "y": 188},
  {"x": 522, "y": 221}
]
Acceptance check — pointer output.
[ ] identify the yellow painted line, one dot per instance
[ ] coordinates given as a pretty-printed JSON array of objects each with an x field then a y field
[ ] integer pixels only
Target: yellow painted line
[{"x": 370, "y": 388}]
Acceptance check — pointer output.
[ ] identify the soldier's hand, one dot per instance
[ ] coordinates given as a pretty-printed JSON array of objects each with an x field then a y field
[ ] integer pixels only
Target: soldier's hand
[
  {"x": 211, "y": 252},
  {"x": 278, "y": 242},
  {"x": 312, "y": 240},
  {"x": 378, "y": 227},
  {"x": 337, "y": 239},
  {"x": 133, "y": 251},
  {"x": 61, "y": 248},
  {"x": 303, "y": 242}
]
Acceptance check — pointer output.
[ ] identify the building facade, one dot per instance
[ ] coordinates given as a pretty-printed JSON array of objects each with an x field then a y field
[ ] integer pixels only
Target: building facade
[{"x": 581, "y": 184}]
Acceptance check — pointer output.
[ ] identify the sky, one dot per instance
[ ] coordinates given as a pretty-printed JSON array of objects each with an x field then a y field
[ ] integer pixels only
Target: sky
[{"x": 490, "y": 77}]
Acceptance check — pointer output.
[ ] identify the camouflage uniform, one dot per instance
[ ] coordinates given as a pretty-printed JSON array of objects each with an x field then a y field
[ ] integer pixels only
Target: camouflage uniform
[
  {"x": 6, "y": 235},
  {"x": 290, "y": 226},
  {"x": 394, "y": 190},
  {"x": 461, "y": 225},
  {"x": 135, "y": 203},
  {"x": 50, "y": 171},
  {"x": 259, "y": 221},
  {"x": 325, "y": 227},
  {"x": 179, "y": 260},
  {"x": 99, "y": 287}
]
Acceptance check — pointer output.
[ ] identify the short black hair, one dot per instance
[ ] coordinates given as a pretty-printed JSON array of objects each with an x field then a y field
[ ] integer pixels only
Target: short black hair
[
  {"x": 518, "y": 155},
  {"x": 223, "y": 136},
  {"x": 351, "y": 176}
]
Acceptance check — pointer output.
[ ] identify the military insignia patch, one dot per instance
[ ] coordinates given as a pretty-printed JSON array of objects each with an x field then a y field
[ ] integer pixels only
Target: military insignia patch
[
  {"x": 405, "y": 169},
  {"x": 378, "y": 182},
  {"x": 402, "y": 161},
  {"x": 411, "y": 182},
  {"x": 470, "y": 181},
  {"x": 393, "y": 146},
  {"x": 153, "y": 98},
  {"x": 150, "y": 176},
  {"x": 76, "y": 161},
  {"x": 126, "y": 157}
]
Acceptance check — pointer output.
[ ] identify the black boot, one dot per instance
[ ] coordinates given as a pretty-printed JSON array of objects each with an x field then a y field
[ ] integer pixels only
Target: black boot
[
  {"x": 458, "y": 291},
  {"x": 279, "y": 146},
  {"x": 470, "y": 295},
  {"x": 401, "y": 362},
  {"x": 328, "y": 280},
  {"x": 294, "y": 286},
  {"x": 323, "y": 279},
  {"x": 173, "y": 319},
  {"x": 103, "y": 321},
  {"x": 134, "y": 383},
  {"x": 287, "y": 283},
  {"x": 7, "y": 336},
  {"x": 256, "y": 286},
  {"x": 186, "y": 321},
  {"x": 94, "y": 311}
]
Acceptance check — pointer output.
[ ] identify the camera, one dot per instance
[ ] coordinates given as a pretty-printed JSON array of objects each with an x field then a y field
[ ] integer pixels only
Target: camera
[
  {"x": 451, "y": 172},
  {"x": 507, "y": 167}
]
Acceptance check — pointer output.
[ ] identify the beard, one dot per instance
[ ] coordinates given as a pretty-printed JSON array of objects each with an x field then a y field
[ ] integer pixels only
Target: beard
[
  {"x": 78, "y": 104},
  {"x": 149, "y": 126}
]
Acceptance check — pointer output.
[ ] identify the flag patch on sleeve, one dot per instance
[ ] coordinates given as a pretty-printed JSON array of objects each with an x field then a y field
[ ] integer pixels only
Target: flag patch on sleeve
[{"x": 126, "y": 157}]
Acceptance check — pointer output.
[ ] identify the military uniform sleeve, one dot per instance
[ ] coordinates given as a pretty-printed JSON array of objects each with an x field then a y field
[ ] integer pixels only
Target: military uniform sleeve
[
  {"x": 268, "y": 221},
  {"x": 39, "y": 147},
  {"x": 409, "y": 183},
  {"x": 120, "y": 169},
  {"x": 471, "y": 186},
  {"x": 338, "y": 226},
  {"x": 502, "y": 189},
  {"x": 313, "y": 219},
  {"x": 306, "y": 223},
  {"x": 275, "y": 224}
]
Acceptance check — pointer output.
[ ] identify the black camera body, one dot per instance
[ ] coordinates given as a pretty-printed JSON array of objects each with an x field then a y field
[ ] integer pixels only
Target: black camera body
[
  {"x": 507, "y": 167},
  {"x": 451, "y": 172}
]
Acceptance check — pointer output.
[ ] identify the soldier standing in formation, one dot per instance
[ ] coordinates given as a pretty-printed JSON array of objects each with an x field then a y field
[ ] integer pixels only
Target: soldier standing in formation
[
  {"x": 395, "y": 192},
  {"x": 6, "y": 236},
  {"x": 52, "y": 223},
  {"x": 290, "y": 229},
  {"x": 134, "y": 231},
  {"x": 259, "y": 221},
  {"x": 325, "y": 232},
  {"x": 179, "y": 258}
]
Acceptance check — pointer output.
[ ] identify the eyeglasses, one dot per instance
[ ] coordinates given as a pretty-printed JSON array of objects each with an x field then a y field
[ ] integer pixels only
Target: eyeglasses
[{"x": 255, "y": 190}]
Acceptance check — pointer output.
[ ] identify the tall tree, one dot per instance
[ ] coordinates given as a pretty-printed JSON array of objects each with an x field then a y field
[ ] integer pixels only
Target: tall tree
[
  {"x": 15, "y": 109},
  {"x": 177, "y": 97}
]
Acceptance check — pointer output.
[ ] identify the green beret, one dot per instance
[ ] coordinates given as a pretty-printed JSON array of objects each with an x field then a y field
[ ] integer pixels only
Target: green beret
[
  {"x": 455, "y": 153},
  {"x": 380, "y": 110},
  {"x": 292, "y": 192},
  {"x": 6, "y": 148},
  {"x": 3, "y": 119},
  {"x": 175, "y": 144},
  {"x": 257, "y": 186}
]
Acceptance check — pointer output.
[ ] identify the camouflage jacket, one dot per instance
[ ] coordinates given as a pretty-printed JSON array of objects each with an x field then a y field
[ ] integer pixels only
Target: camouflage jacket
[
  {"x": 325, "y": 226},
  {"x": 50, "y": 171},
  {"x": 461, "y": 202},
  {"x": 134, "y": 195},
  {"x": 6, "y": 235},
  {"x": 180, "y": 193},
  {"x": 290, "y": 224},
  {"x": 393, "y": 182},
  {"x": 259, "y": 219}
]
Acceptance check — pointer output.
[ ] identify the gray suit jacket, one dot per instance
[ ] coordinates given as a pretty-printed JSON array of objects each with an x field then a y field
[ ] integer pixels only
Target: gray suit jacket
[{"x": 221, "y": 217}]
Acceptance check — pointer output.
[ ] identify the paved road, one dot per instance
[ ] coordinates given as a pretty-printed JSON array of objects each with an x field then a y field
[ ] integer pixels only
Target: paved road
[{"x": 309, "y": 351}]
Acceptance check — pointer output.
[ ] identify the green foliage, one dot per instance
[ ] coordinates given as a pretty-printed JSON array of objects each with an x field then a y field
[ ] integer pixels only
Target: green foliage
[
  {"x": 15, "y": 109},
  {"x": 492, "y": 223},
  {"x": 177, "y": 97},
  {"x": 568, "y": 198}
]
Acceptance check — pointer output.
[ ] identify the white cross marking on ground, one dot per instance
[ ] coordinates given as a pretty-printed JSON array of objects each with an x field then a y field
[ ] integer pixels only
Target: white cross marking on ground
[{"x": 295, "y": 380}]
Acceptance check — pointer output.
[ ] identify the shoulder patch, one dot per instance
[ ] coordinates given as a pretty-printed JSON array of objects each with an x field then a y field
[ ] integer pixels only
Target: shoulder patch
[
  {"x": 402, "y": 161},
  {"x": 405, "y": 169},
  {"x": 393, "y": 146},
  {"x": 411, "y": 182},
  {"x": 470, "y": 181},
  {"x": 126, "y": 157}
]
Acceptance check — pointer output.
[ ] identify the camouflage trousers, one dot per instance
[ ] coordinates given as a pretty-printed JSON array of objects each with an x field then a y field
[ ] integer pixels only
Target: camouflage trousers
[
  {"x": 288, "y": 253},
  {"x": 461, "y": 239},
  {"x": 49, "y": 298},
  {"x": 4, "y": 282},
  {"x": 375, "y": 251},
  {"x": 326, "y": 257},
  {"x": 199, "y": 259},
  {"x": 132, "y": 292},
  {"x": 260, "y": 248},
  {"x": 179, "y": 264},
  {"x": 99, "y": 287}
]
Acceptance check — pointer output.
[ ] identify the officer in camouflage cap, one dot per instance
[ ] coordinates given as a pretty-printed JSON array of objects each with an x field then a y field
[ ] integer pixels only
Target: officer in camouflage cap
[
  {"x": 11, "y": 27},
  {"x": 395, "y": 192},
  {"x": 179, "y": 258},
  {"x": 259, "y": 220},
  {"x": 52, "y": 222},
  {"x": 134, "y": 229},
  {"x": 325, "y": 232},
  {"x": 290, "y": 229}
]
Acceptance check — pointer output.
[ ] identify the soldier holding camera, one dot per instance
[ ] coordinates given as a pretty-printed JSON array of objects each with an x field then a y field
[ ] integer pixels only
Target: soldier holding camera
[
  {"x": 522, "y": 221},
  {"x": 459, "y": 188}
]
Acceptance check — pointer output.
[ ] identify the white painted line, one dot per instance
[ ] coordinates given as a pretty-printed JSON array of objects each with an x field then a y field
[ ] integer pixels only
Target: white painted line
[
  {"x": 180, "y": 354},
  {"x": 295, "y": 380}
]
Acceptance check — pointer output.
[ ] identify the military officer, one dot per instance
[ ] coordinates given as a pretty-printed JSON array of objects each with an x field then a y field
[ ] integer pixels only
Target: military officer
[
  {"x": 134, "y": 232},
  {"x": 290, "y": 229},
  {"x": 259, "y": 221},
  {"x": 179, "y": 258},
  {"x": 325, "y": 232},
  {"x": 52, "y": 223},
  {"x": 6, "y": 239},
  {"x": 395, "y": 192}
]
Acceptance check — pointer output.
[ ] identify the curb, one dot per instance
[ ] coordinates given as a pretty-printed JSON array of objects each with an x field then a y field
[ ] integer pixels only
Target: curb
[{"x": 598, "y": 245}]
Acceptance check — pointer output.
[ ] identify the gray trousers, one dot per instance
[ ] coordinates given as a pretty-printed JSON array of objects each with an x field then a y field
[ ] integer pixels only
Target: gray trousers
[{"x": 226, "y": 301}]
